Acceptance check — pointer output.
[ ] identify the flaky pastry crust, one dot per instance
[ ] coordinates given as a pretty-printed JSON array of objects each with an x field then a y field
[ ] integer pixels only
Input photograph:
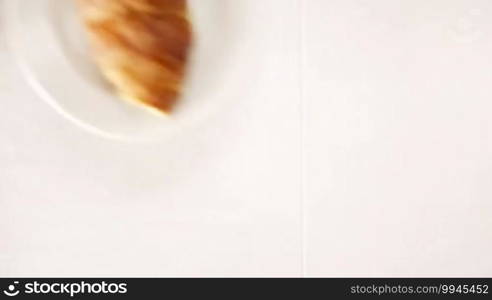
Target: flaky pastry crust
[{"x": 141, "y": 47}]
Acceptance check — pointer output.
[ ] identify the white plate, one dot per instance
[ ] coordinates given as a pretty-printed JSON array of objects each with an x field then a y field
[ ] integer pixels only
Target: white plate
[{"x": 51, "y": 47}]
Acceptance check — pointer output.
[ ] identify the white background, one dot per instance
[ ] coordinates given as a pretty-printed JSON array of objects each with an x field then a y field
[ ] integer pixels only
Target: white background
[{"x": 365, "y": 150}]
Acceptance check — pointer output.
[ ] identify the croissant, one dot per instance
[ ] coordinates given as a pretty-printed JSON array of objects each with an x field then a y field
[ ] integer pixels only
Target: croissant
[{"x": 141, "y": 47}]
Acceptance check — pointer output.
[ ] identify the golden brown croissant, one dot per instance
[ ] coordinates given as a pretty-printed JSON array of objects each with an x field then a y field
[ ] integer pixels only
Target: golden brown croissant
[{"x": 141, "y": 47}]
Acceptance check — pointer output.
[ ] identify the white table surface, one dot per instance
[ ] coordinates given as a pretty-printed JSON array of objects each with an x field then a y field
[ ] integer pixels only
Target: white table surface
[{"x": 364, "y": 151}]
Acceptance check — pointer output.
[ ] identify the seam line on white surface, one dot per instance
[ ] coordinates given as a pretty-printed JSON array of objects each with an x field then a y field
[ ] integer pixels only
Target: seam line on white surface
[{"x": 302, "y": 208}]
